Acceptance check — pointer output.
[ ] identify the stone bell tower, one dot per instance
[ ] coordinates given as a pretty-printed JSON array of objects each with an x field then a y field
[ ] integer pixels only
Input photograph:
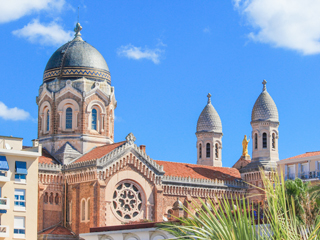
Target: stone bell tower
[
  {"x": 265, "y": 123},
  {"x": 209, "y": 136}
]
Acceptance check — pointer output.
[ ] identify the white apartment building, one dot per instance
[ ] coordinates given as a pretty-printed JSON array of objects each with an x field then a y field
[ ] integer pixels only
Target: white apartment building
[
  {"x": 305, "y": 166},
  {"x": 18, "y": 189}
]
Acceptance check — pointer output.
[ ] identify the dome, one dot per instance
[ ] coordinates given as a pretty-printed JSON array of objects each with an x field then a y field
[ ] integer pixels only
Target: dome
[
  {"x": 209, "y": 120},
  {"x": 178, "y": 205},
  {"x": 264, "y": 108},
  {"x": 77, "y": 59}
]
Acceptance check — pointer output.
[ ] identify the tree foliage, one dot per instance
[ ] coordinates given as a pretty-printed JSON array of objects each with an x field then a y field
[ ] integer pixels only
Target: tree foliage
[{"x": 236, "y": 219}]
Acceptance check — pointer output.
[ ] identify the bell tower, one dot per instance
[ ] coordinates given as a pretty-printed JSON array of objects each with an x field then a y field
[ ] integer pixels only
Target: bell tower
[
  {"x": 209, "y": 136},
  {"x": 264, "y": 123}
]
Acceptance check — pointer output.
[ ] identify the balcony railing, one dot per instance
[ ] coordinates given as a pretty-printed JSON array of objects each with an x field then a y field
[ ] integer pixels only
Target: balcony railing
[
  {"x": 309, "y": 175},
  {"x": 4, "y": 203},
  {"x": 4, "y": 176},
  {"x": 304, "y": 175},
  {"x": 4, "y": 231}
]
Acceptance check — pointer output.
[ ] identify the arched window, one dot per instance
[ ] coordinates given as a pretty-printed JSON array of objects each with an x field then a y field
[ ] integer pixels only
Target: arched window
[
  {"x": 46, "y": 197},
  {"x": 88, "y": 210},
  {"x": 70, "y": 212},
  {"x": 69, "y": 118},
  {"x": 216, "y": 150},
  {"x": 273, "y": 141},
  {"x": 83, "y": 210},
  {"x": 51, "y": 198},
  {"x": 264, "y": 140},
  {"x": 56, "y": 199},
  {"x": 208, "y": 150},
  {"x": 169, "y": 214},
  {"x": 255, "y": 141},
  {"x": 48, "y": 120},
  {"x": 200, "y": 150},
  {"x": 94, "y": 119}
]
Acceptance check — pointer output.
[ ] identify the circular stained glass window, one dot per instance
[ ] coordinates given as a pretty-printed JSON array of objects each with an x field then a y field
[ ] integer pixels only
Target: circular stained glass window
[{"x": 127, "y": 201}]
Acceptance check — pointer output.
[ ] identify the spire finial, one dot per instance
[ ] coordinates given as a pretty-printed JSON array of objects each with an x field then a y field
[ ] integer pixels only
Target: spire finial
[
  {"x": 264, "y": 82},
  {"x": 209, "y": 98},
  {"x": 77, "y": 29}
]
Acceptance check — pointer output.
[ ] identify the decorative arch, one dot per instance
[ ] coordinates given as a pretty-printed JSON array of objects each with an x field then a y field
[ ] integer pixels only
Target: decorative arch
[
  {"x": 83, "y": 211},
  {"x": 62, "y": 110},
  {"x": 99, "y": 107},
  {"x": 44, "y": 113}
]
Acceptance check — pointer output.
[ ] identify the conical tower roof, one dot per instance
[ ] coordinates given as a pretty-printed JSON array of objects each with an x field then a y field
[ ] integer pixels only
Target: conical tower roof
[{"x": 209, "y": 120}]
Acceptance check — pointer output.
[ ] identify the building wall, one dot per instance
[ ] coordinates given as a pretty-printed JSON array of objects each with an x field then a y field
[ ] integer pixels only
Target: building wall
[
  {"x": 311, "y": 163},
  {"x": 30, "y": 187}
]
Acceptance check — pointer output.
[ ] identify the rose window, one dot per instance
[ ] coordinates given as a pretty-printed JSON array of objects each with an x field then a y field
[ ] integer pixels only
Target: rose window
[{"x": 127, "y": 201}]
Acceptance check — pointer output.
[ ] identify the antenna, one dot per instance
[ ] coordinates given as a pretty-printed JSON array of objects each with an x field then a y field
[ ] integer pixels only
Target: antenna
[{"x": 78, "y": 13}]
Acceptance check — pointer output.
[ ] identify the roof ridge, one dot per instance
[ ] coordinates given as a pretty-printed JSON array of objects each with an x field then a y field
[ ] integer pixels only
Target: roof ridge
[{"x": 192, "y": 164}]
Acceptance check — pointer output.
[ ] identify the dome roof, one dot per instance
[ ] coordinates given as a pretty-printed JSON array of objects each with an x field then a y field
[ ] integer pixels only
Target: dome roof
[
  {"x": 264, "y": 108},
  {"x": 209, "y": 120},
  {"x": 77, "y": 59},
  {"x": 177, "y": 204}
]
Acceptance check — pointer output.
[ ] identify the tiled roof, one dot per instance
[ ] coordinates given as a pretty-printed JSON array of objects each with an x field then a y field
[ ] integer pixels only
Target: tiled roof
[
  {"x": 307, "y": 154},
  {"x": 58, "y": 230},
  {"x": 99, "y": 152},
  {"x": 47, "y": 158},
  {"x": 198, "y": 171}
]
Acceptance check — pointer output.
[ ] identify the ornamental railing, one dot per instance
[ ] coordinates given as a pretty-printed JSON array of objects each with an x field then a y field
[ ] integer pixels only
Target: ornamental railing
[{"x": 303, "y": 175}]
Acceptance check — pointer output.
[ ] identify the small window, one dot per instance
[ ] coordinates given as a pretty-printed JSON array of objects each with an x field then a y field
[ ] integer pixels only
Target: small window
[
  {"x": 19, "y": 199},
  {"x": 51, "y": 198},
  {"x": 200, "y": 150},
  {"x": 273, "y": 141},
  {"x": 70, "y": 212},
  {"x": 57, "y": 199},
  {"x": 217, "y": 151},
  {"x": 21, "y": 171},
  {"x": 19, "y": 227},
  {"x": 94, "y": 119},
  {"x": 264, "y": 140},
  {"x": 69, "y": 118},
  {"x": 48, "y": 120},
  {"x": 88, "y": 210},
  {"x": 208, "y": 150},
  {"x": 255, "y": 141},
  {"x": 83, "y": 210},
  {"x": 46, "y": 197}
]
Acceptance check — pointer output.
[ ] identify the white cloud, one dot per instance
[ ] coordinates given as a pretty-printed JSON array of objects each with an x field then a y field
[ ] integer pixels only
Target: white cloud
[
  {"x": 51, "y": 34},
  {"x": 292, "y": 24},
  {"x": 14, "y": 114},
  {"x": 11, "y": 10},
  {"x": 137, "y": 53}
]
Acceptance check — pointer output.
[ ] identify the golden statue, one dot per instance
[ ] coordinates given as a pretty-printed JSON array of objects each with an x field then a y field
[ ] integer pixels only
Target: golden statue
[{"x": 245, "y": 142}]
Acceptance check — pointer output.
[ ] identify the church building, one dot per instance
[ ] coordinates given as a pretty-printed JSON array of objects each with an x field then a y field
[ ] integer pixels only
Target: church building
[{"x": 86, "y": 180}]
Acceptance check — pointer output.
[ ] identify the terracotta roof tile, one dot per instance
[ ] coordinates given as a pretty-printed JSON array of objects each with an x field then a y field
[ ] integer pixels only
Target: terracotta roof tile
[
  {"x": 47, "y": 158},
  {"x": 58, "y": 230},
  {"x": 198, "y": 171},
  {"x": 99, "y": 152},
  {"x": 307, "y": 154}
]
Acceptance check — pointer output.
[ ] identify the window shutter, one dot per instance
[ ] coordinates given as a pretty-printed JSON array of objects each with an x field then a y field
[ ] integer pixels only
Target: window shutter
[
  {"x": 21, "y": 168},
  {"x": 20, "y": 192},
  {"x": 19, "y": 223}
]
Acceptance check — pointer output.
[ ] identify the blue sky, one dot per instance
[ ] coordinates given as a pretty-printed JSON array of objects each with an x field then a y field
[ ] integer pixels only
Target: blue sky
[{"x": 164, "y": 57}]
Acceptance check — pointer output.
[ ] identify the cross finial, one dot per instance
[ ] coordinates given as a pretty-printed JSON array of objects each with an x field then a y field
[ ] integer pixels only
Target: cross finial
[
  {"x": 264, "y": 82},
  {"x": 209, "y": 98},
  {"x": 77, "y": 29}
]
